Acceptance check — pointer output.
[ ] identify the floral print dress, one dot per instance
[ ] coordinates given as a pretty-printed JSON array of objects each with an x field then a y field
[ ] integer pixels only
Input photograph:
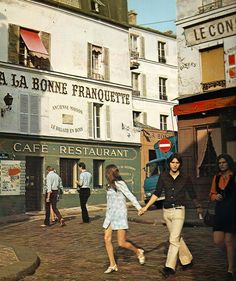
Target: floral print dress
[{"x": 116, "y": 212}]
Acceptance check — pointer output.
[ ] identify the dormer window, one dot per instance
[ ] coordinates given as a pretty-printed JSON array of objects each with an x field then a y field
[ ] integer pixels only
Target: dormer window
[{"x": 95, "y": 5}]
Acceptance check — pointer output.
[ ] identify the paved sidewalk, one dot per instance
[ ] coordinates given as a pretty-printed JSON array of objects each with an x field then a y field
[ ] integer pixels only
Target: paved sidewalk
[{"x": 77, "y": 253}]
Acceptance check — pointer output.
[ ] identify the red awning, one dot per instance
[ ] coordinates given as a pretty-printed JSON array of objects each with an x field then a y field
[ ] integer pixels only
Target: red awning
[
  {"x": 201, "y": 106},
  {"x": 33, "y": 42}
]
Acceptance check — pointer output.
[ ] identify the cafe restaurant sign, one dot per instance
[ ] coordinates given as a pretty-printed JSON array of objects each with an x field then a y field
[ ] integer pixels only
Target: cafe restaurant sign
[{"x": 211, "y": 30}]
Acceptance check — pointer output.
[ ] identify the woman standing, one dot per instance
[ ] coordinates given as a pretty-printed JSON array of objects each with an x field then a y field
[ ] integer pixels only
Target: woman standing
[
  {"x": 223, "y": 192},
  {"x": 116, "y": 216}
]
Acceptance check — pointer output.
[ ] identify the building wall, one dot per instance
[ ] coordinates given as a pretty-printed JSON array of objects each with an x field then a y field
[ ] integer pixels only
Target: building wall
[{"x": 197, "y": 32}]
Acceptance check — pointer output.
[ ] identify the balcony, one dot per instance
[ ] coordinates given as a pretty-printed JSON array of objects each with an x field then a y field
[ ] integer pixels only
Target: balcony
[
  {"x": 218, "y": 83},
  {"x": 211, "y": 6}
]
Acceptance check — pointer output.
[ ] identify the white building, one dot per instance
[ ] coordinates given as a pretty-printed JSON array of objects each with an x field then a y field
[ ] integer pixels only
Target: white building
[
  {"x": 154, "y": 76},
  {"x": 67, "y": 66}
]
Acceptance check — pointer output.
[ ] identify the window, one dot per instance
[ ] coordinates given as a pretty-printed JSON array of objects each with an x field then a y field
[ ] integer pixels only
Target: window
[
  {"x": 136, "y": 117},
  {"x": 69, "y": 172},
  {"x": 213, "y": 68},
  {"x": 208, "y": 5},
  {"x": 135, "y": 83},
  {"x": 99, "y": 121},
  {"x": 134, "y": 44},
  {"x": 162, "y": 88},
  {"x": 28, "y": 47},
  {"x": 161, "y": 52},
  {"x": 95, "y": 5},
  {"x": 29, "y": 114},
  {"x": 98, "y": 62},
  {"x": 163, "y": 122}
]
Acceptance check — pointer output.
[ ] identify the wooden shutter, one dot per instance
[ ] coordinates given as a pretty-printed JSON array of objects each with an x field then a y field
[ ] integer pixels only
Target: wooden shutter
[
  {"x": 142, "y": 47},
  {"x": 13, "y": 43},
  {"x": 89, "y": 61},
  {"x": 90, "y": 119},
  {"x": 108, "y": 122},
  {"x": 106, "y": 64},
  {"x": 24, "y": 113},
  {"x": 34, "y": 114},
  {"x": 144, "y": 88},
  {"x": 45, "y": 37}
]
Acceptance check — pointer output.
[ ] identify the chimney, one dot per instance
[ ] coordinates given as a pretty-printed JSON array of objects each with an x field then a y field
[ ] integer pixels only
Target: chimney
[{"x": 132, "y": 17}]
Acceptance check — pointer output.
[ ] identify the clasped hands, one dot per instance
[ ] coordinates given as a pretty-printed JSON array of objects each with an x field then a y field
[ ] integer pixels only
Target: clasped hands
[{"x": 142, "y": 211}]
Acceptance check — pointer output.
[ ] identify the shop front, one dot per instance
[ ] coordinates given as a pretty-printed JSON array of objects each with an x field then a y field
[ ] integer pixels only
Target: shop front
[{"x": 34, "y": 154}]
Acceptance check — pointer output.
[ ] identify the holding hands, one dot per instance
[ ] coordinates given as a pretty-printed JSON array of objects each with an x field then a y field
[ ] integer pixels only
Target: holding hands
[{"x": 142, "y": 211}]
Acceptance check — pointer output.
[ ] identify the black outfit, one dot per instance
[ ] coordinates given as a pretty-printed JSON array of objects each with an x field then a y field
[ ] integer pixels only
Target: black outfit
[
  {"x": 53, "y": 201},
  {"x": 84, "y": 194},
  {"x": 225, "y": 210},
  {"x": 174, "y": 189}
]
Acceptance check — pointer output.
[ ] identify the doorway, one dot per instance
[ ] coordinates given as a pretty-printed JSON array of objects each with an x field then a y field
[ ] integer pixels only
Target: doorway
[{"x": 33, "y": 186}]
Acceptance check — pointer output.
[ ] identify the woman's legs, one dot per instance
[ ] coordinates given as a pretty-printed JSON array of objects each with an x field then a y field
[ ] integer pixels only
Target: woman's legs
[
  {"x": 226, "y": 242},
  {"x": 109, "y": 246},
  {"x": 121, "y": 238}
]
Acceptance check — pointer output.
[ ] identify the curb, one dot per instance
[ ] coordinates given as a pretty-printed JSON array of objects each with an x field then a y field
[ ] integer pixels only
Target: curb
[{"x": 27, "y": 264}]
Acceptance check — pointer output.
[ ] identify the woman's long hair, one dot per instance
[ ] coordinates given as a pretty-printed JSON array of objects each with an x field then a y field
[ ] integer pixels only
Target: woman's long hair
[
  {"x": 228, "y": 159},
  {"x": 176, "y": 156},
  {"x": 112, "y": 175}
]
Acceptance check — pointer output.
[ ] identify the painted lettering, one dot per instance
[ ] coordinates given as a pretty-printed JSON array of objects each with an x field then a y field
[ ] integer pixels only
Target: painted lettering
[
  {"x": 19, "y": 83},
  {"x": 2, "y": 79}
]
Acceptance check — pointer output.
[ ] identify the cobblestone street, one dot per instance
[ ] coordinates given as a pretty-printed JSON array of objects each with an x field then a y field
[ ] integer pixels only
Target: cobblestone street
[{"x": 77, "y": 253}]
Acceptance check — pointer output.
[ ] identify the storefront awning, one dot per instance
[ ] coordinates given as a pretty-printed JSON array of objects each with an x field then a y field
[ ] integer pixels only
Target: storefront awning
[
  {"x": 206, "y": 105},
  {"x": 34, "y": 43}
]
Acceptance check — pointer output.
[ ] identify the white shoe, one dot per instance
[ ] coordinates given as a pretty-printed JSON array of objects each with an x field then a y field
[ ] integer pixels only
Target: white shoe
[
  {"x": 111, "y": 269},
  {"x": 141, "y": 257}
]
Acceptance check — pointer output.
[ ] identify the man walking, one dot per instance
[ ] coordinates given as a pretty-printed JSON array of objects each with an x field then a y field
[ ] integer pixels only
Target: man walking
[
  {"x": 84, "y": 183},
  {"x": 175, "y": 185},
  {"x": 52, "y": 186}
]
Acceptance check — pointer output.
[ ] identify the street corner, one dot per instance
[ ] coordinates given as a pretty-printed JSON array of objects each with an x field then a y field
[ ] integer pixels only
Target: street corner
[{"x": 16, "y": 262}]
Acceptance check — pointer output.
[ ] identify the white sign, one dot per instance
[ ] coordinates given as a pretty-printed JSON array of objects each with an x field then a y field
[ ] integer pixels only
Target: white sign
[{"x": 211, "y": 30}]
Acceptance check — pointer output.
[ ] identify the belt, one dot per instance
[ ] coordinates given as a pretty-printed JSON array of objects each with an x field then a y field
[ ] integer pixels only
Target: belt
[{"x": 175, "y": 206}]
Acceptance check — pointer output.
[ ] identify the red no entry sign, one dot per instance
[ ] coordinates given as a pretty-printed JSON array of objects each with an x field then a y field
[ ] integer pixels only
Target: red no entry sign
[{"x": 164, "y": 145}]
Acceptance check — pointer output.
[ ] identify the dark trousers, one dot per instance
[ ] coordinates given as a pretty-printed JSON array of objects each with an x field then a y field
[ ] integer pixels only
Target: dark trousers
[
  {"x": 84, "y": 194},
  {"x": 53, "y": 202}
]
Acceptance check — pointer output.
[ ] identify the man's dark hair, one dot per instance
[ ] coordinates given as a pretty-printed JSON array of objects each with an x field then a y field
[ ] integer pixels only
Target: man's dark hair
[
  {"x": 177, "y": 156},
  {"x": 82, "y": 165}
]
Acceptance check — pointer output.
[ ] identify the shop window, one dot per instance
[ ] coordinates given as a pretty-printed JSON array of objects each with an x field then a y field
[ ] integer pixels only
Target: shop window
[
  {"x": 208, "y": 147},
  {"x": 213, "y": 68},
  {"x": 163, "y": 122},
  {"x": 162, "y": 88},
  {"x": 161, "y": 52},
  {"x": 30, "y": 114},
  {"x": 98, "y": 174},
  {"x": 69, "y": 172},
  {"x": 98, "y": 62},
  {"x": 29, "y": 48}
]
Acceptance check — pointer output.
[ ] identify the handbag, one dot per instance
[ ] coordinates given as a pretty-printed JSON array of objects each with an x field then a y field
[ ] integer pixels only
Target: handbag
[{"x": 209, "y": 218}]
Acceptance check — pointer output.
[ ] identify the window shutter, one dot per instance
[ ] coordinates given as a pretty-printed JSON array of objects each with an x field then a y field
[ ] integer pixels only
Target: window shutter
[
  {"x": 90, "y": 119},
  {"x": 144, "y": 88},
  {"x": 13, "y": 43},
  {"x": 106, "y": 64},
  {"x": 108, "y": 121},
  {"x": 142, "y": 47},
  {"x": 145, "y": 118},
  {"x": 34, "y": 114},
  {"x": 89, "y": 61},
  {"x": 24, "y": 110},
  {"x": 45, "y": 37}
]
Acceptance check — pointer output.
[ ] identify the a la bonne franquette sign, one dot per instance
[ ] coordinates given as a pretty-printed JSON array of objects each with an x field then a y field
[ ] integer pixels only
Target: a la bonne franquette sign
[{"x": 58, "y": 87}]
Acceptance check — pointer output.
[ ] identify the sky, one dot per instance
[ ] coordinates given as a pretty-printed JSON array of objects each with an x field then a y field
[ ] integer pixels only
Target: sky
[{"x": 152, "y": 13}]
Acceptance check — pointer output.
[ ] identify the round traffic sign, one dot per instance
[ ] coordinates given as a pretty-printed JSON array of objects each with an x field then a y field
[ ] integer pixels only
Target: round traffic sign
[{"x": 164, "y": 145}]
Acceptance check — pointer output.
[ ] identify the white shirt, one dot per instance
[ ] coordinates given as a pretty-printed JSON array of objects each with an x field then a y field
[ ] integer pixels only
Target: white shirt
[{"x": 52, "y": 181}]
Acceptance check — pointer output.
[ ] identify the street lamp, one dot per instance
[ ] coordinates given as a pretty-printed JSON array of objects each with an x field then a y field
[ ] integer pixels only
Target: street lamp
[{"x": 8, "y": 99}]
